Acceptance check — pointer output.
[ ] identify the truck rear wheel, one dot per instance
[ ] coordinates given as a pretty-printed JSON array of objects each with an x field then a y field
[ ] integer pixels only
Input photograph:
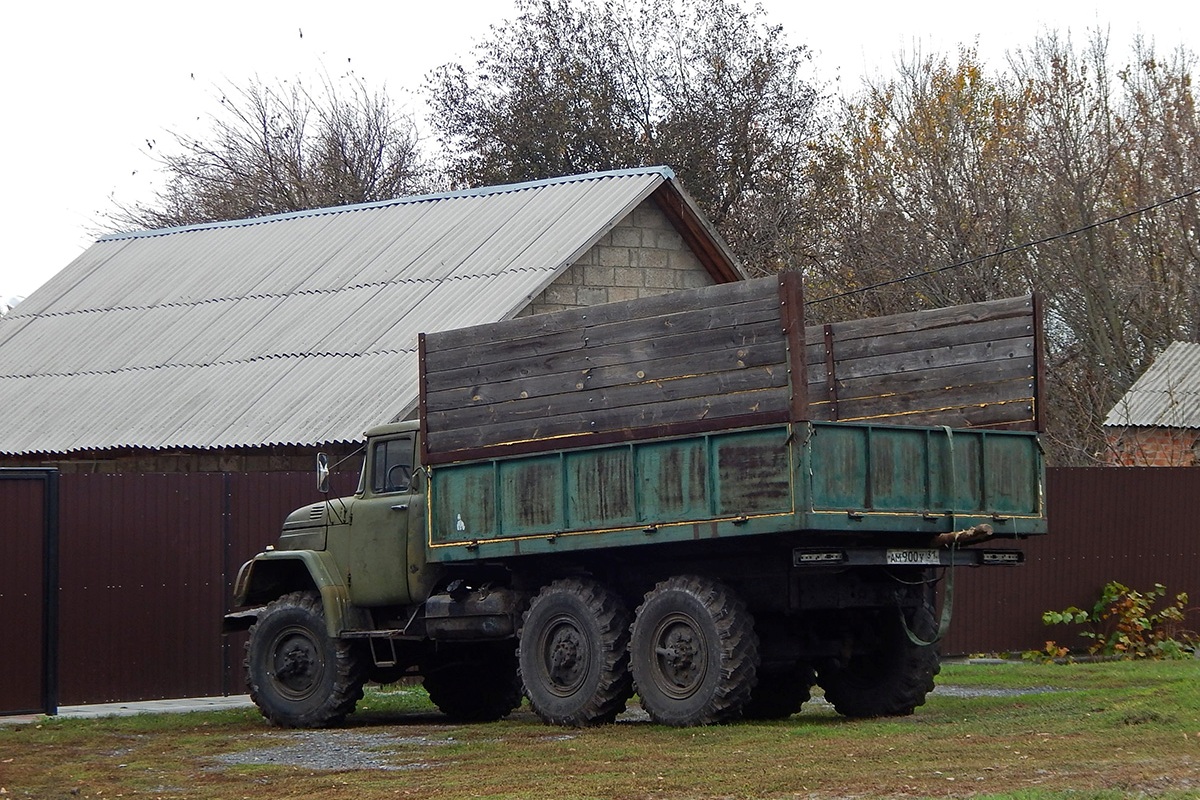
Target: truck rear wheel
[
  {"x": 694, "y": 652},
  {"x": 574, "y": 653},
  {"x": 297, "y": 675},
  {"x": 890, "y": 680},
  {"x": 474, "y": 682}
]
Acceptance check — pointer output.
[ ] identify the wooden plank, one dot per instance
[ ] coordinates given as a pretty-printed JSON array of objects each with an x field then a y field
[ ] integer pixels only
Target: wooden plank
[
  {"x": 967, "y": 365},
  {"x": 528, "y": 446},
  {"x": 1014, "y": 414},
  {"x": 733, "y": 316},
  {"x": 1039, "y": 349},
  {"x": 791, "y": 314},
  {"x": 628, "y": 396},
  {"x": 938, "y": 358},
  {"x": 970, "y": 333},
  {"x": 913, "y": 321},
  {"x": 770, "y": 354},
  {"x": 540, "y": 325},
  {"x": 829, "y": 362},
  {"x": 764, "y": 405},
  {"x": 422, "y": 397},
  {"x": 928, "y": 380},
  {"x": 979, "y": 396},
  {"x": 648, "y": 347},
  {"x": 668, "y": 362},
  {"x": 690, "y": 360}
]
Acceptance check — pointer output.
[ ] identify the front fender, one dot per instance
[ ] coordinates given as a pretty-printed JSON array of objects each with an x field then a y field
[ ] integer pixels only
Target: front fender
[{"x": 274, "y": 573}]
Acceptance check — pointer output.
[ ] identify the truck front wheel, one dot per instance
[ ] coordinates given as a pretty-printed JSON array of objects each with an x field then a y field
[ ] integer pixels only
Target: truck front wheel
[
  {"x": 891, "y": 679},
  {"x": 574, "y": 653},
  {"x": 296, "y": 674},
  {"x": 694, "y": 652}
]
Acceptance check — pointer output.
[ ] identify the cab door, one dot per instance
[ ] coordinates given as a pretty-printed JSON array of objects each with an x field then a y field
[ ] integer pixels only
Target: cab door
[{"x": 378, "y": 563}]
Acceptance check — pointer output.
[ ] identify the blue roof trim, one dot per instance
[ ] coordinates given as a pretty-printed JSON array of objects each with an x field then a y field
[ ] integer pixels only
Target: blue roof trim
[{"x": 666, "y": 172}]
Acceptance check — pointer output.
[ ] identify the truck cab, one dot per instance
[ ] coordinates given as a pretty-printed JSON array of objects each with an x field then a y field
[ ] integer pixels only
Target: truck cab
[
  {"x": 376, "y": 537},
  {"x": 353, "y": 548}
]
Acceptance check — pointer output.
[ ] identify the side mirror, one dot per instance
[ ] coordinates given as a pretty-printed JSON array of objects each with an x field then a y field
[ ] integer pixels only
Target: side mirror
[{"x": 322, "y": 473}]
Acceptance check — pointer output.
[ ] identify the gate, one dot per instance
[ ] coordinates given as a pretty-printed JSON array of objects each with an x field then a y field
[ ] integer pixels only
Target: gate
[{"x": 28, "y": 596}]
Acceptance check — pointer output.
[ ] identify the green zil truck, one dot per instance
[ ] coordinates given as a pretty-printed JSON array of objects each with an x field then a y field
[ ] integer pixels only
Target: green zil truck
[{"x": 694, "y": 497}]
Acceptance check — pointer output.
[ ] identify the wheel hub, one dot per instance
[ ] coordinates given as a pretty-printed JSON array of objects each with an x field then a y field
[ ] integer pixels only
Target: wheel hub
[
  {"x": 564, "y": 657},
  {"x": 296, "y": 662},
  {"x": 680, "y": 661},
  {"x": 297, "y": 665}
]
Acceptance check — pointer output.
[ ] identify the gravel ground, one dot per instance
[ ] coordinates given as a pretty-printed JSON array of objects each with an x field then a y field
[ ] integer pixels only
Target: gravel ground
[{"x": 339, "y": 750}]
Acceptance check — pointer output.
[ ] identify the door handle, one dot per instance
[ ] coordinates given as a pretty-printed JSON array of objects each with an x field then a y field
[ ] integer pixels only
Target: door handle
[{"x": 401, "y": 507}]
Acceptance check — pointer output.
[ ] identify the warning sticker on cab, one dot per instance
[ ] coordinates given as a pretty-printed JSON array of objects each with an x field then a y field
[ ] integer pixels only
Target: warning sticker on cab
[{"x": 917, "y": 556}]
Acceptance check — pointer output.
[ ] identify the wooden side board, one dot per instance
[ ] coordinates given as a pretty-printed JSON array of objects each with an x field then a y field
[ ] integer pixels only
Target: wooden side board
[
  {"x": 969, "y": 366},
  {"x": 682, "y": 363},
  {"x": 723, "y": 356}
]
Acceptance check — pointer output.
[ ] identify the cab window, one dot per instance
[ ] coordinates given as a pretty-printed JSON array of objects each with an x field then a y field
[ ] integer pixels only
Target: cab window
[{"x": 391, "y": 465}]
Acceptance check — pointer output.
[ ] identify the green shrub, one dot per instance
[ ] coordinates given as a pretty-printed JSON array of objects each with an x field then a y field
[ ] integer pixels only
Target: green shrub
[{"x": 1125, "y": 623}]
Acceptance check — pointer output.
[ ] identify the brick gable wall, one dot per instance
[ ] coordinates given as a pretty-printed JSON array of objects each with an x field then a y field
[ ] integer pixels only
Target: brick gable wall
[
  {"x": 1153, "y": 447},
  {"x": 641, "y": 256}
]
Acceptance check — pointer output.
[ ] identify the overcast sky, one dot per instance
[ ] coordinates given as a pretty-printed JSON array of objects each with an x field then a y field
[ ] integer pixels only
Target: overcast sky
[{"x": 86, "y": 85}]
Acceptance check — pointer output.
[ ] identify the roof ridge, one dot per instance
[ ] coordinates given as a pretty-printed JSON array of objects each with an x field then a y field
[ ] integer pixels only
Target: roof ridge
[{"x": 483, "y": 191}]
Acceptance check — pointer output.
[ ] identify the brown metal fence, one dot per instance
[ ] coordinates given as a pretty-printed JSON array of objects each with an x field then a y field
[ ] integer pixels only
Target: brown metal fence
[
  {"x": 146, "y": 566},
  {"x": 28, "y": 541},
  {"x": 146, "y": 563},
  {"x": 1136, "y": 525},
  {"x": 142, "y": 575}
]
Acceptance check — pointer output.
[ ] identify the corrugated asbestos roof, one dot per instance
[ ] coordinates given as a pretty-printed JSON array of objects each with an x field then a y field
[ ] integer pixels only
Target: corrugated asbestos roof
[
  {"x": 295, "y": 329},
  {"x": 1168, "y": 393}
]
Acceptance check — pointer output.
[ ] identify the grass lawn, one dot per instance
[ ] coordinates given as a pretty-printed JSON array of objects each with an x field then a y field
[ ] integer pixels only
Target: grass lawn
[{"x": 1016, "y": 730}]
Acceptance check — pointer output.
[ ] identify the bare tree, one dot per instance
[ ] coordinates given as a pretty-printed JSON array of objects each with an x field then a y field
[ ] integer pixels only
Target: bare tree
[
  {"x": 275, "y": 149},
  {"x": 1106, "y": 142},
  {"x": 925, "y": 170},
  {"x": 572, "y": 86},
  {"x": 928, "y": 173}
]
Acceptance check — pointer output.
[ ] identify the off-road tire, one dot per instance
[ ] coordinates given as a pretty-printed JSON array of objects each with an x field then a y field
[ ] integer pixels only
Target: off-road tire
[
  {"x": 473, "y": 682},
  {"x": 780, "y": 693},
  {"x": 891, "y": 680},
  {"x": 694, "y": 652},
  {"x": 574, "y": 653},
  {"x": 296, "y": 674}
]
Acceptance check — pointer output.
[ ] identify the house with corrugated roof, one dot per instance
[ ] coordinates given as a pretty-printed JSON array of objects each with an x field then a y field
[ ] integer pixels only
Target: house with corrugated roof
[
  {"x": 249, "y": 345},
  {"x": 1157, "y": 422}
]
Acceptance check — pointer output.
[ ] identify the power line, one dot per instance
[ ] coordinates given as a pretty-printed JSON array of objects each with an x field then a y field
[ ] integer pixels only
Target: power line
[{"x": 1008, "y": 250}]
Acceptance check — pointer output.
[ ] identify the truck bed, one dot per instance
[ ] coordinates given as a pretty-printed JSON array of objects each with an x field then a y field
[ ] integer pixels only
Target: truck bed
[
  {"x": 718, "y": 413},
  {"x": 815, "y": 477}
]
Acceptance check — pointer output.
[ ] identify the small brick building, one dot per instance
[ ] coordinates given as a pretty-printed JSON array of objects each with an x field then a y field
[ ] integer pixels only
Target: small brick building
[
  {"x": 1157, "y": 422},
  {"x": 250, "y": 345}
]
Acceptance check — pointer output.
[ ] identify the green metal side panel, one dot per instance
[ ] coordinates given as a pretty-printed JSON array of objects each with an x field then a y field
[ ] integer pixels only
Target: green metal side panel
[
  {"x": 831, "y": 477},
  {"x": 600, "y": 486},
  {"x": 961, "y": 476},
  {"x": 465, "y": 501},
  {"x": 673, "y": 480},
  {"x": 615, "y": 494}
]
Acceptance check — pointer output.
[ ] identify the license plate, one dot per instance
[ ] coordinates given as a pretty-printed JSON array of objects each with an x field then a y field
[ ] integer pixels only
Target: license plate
[{"x": 920, "y": 556}]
